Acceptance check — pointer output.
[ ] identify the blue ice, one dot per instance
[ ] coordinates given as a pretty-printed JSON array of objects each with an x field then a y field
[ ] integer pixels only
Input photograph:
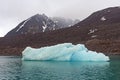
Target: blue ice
[{"x": 63, "y": 52}]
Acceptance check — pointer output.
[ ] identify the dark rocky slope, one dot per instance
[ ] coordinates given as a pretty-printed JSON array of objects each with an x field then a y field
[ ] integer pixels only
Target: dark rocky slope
[{"x": 106, "y": 16}]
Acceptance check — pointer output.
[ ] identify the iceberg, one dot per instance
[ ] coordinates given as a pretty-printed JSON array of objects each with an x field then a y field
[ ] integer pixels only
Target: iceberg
[{"x": 63, "y": 52}]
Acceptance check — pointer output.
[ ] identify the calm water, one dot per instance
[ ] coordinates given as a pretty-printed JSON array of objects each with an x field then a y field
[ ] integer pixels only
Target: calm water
[{"x": 12, "y": 68}]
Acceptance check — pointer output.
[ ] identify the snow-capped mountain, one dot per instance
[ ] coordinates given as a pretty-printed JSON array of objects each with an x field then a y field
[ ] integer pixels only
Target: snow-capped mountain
[
  {"x": 40, "y": 23},
  {"x": 35, "y": 24}
]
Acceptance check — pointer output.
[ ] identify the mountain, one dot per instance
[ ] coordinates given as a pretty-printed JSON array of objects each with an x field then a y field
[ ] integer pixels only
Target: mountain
[
  {"x": 99, "y": 32},
  {"x": 40, "y": 23},
  {"x": 103, "y": 24},
  {"x": 35, "y": 24},
  {"x": 106, "y": 16},
  {"x": 63, "y": 22}
]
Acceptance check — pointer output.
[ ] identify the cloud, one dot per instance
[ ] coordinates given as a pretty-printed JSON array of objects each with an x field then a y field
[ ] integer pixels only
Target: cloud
[{"x": 13, "y": 12}]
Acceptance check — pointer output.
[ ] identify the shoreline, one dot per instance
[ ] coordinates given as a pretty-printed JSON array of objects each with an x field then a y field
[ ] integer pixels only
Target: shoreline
[
  {"x": 20, "y": 54},
  {"x": 111, "y": 57}
]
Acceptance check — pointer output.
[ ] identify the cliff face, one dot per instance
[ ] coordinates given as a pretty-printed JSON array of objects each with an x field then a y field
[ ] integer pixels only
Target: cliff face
[{"x": 99, "y": 32}]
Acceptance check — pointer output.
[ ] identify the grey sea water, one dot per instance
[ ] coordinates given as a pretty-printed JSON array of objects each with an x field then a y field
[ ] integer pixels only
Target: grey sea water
[{"x": 13, "y": 68}]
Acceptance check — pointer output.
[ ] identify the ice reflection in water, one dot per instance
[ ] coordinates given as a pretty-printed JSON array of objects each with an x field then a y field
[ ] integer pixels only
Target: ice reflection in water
[
  {"x": 12, "y": 68},
  {"x": 64, "y": 70}
]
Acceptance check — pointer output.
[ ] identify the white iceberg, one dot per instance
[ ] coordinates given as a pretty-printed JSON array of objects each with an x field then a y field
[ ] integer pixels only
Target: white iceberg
[{"x": 63, "y": 52}]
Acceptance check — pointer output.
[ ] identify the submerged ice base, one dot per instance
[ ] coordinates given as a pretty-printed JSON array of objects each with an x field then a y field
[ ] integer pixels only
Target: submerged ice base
[{"x": 63, "y": 52}]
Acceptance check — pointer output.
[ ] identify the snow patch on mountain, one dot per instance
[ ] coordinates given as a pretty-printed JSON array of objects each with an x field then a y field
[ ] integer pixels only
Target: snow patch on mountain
[
  {"x": 93, "y": 36},
  {"x": 44, "y": 27},
  {"x": 103, "y": 18},
  {"x": 92, "y": 31},
  {"x": 23, "y": 24}
]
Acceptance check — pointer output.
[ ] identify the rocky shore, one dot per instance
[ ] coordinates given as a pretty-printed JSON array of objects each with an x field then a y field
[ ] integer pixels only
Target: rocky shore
[{"x": 108, "y": 47}]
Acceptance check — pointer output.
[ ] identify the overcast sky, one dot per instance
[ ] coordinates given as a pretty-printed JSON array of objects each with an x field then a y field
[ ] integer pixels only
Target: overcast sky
[{"x": 12, "y": 12}]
